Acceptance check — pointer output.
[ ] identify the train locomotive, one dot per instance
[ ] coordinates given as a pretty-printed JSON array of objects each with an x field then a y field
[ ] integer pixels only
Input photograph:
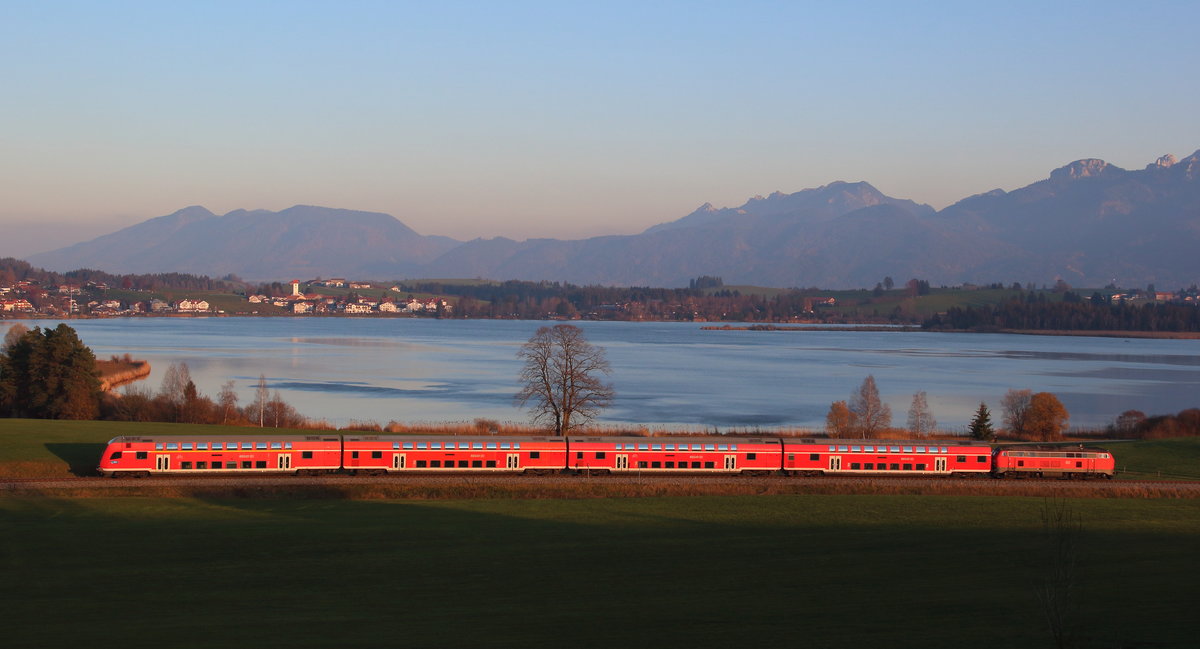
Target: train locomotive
[{"x": 142, "y": 456}]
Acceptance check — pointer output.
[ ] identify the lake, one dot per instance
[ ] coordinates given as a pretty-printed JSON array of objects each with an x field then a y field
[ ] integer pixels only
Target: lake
[{"x": 666, "y": 374}]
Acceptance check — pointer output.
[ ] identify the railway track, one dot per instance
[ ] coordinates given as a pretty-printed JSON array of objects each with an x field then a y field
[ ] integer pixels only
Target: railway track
[{"x": 664, "y": 484}]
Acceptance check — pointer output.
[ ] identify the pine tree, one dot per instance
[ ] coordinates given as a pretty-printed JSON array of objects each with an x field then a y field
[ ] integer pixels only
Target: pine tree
[{"x": 981, "y": 425}]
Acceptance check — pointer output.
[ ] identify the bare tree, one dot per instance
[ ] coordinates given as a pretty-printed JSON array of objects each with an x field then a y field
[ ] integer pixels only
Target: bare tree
[
  {"x": 873, "y": 415},
  {"x": 261, "y": 396},
  {"x": 1016, "y": 406},
  {"x": 228, "y": 399},
  {"x": 560, "y": 381},
  {"x": 920, "y": 419}
]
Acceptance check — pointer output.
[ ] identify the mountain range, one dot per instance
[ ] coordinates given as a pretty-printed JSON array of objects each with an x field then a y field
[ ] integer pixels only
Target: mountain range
[{"x": 1089, "y": 223}]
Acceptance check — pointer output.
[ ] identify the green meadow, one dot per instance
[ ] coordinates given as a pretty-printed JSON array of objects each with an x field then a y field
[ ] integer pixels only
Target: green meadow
[{"x": 820, "y": 571}]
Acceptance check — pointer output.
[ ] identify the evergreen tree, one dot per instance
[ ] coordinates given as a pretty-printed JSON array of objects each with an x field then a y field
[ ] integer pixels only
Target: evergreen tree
[
  {"x": 49, "y": 374},
  {"x": 981, "y": 425}
]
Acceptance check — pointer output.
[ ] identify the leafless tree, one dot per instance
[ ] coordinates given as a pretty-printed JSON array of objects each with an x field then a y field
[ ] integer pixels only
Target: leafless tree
[
  {"x": 560, "y": 381},
  {"x": 1016, "y": 407},
  {"x": 261, "y": 396},
  {"x": 228, "y": 399},
  {"x": 920, "y": 419},
  {"x": 872, "y": 414}
]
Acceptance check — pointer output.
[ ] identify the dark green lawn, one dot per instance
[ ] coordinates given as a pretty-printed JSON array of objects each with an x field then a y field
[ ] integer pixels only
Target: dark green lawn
[{"x": 777, "y": 571}]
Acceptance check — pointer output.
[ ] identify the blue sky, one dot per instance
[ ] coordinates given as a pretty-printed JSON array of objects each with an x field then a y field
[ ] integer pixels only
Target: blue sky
[{"x": 564, "y": 119}]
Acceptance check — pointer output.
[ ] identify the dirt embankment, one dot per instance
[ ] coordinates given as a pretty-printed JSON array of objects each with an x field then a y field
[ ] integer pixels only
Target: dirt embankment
[{"x": 119, "y": 371}]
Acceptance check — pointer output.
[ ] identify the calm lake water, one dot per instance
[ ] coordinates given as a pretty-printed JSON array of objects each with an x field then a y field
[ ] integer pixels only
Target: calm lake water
[{"x": 668, "y": 375}]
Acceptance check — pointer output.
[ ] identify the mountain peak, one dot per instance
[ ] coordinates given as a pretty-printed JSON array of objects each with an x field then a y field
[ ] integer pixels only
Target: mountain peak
[
  {"x": 1085, "y": 168},
  {"x": 1163, "y": 162}
]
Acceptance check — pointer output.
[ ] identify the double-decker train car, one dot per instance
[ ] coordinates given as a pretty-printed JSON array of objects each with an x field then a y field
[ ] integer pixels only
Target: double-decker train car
[
  {"x": 1053, "y": 462},
  {"x": 176, "y": 454},
  {"x": 441, "y": 453},
  {"x": 885, "y": 457},
  {"x": 674, "y": 454}
]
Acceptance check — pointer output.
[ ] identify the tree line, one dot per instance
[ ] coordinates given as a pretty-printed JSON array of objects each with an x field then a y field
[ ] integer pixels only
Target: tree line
[
  {"x": 15, "y": 270},
  {"x": 1073, "y": 313}
]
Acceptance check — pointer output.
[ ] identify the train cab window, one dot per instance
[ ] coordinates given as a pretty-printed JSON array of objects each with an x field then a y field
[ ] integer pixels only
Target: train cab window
[
  {"x": 708, "y": 465},
  {"x": 376, "y": 455},
  {"x": 421, "y": 464},
  {"x": 491, "y": 464},
  {"x": 477, "y": 464},
  {"x": 185, "y": 465},
  {"x": 260, "y": 464},
  {"x": 752, "y": 456},
  {"x": 656, "y": 465},
  {"x": 814, "y": 457},
  {"x": 908, "y": 467},
  {"x": 462, "y": 464},
  {"x": 141, "y": 455},
  {"x": 116, "y": 455},
  {"x": 202, "y": 465},
  {"x": 961, "y": 458},
  {"x": 855, "y": 466},
  {"x": 600, "y": 455},
  {"x": 533, "y": 455}
]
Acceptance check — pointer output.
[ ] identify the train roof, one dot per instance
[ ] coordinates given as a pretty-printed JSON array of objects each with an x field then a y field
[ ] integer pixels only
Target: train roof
[
  {"x": 671, "y": 439},
  {"x": 460, "y": 438},
  {"x": 124, "y": 439}
]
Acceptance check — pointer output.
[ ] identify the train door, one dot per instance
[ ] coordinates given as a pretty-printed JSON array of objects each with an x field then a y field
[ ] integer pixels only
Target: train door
[
  {"x": 398, "y": 461},
  {"x": 835, "y": 463},
  {"x": 162, "y": 462},
  {"x": 730, "y": 462},
  {"x": 622, "y": 461},
  {"x": 939, "y": 464},
  {"x": 514, "y": 461},
  {"x": 284, "y": 461}
]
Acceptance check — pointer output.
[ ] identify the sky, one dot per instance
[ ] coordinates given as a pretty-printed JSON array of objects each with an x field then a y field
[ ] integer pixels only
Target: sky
[{"x": 564, "y": 119}]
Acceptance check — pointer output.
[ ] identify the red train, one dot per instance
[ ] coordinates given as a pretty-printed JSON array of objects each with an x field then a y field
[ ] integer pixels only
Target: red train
[{"x": 311, "y": 454}]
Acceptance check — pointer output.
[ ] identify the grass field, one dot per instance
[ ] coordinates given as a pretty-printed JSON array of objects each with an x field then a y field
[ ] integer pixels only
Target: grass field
[{"x": 820, "y": 571}]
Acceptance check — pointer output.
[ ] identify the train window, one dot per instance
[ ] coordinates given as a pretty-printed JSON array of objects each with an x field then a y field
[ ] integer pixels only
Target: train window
[
  {"x": 752, "y": 456},
  {"x": 908, "y": 449},
  {"x": 376, "y": 455},
  {"x": 656, "y": 465},
  {"x": 855, "y": 449},
  {"x": 894, "y": 449},
  {"x": 670, "y": 465},
  {"x": 421, "y": 464},
  {"x": 202, "y": 465},
  {"x": 641, "y": 465},
  {"x": 920, "y": 467},
  {"x": 1104, "y": 456},
  {"x": 792, "y": 457},
  {"x": 944, "y": 450},
  {"x": 722, "y": 447},
  {"x": 462, "y": 464},
  {"x": 643, "y": 447},
  {"x": 920, "y": 449},
  {"x": 261, "y": 464},
  {"x": 185, "y": 465},
  {"x": 116, "y": 455},
  {"x": 855, "y": 466},
  {"x": 832, "y": 448},
  {"x": 406, "y": 446},
  {"x": 895, "y": 467},
  {"x": 306, "y": 455},
  {"x": 216, "y": 465},
  {"x": 437, "y": 464},
  {"x": 477, "y": 464},
  {"x": 172, "y": 446},
  {"x": 201, "y": 446},
  {"x": 354, "y": 455},
  {"x": 158, "y": 446},
  {"x": 579, "y": 455},
  {"x": 233, "y": 465},
  {"x": 961, "y": 458},
  {"x": 1079, "y": 464},
  {"x": 600, "y": 455},
  {"x": 695, "y": 465},
  {"x": 869, "y": 449},
  {"x": 710, "y": 447},
  {"x": 981, "y": 458},
  {"x": 533, "y": 455},
  {"x": 869, "y": 466},
  {"x": 261, "y": 446},
  {"x": 247, "y": 446},
  {"x": 277, "y": 445},
  {"x": 516, "y": 446},
  {"x": 187, "y": 446},
  {"x": 656, "y": 447},
  {"x": 504, "y": 446},
  {"x": 141, "y": 455},
  {"x": 908, "y": 467},
  {"x": 843, "y": 449},
  {"x": 814, "y": 457},
  {"x": 670, "y": 447},
  {"x": 287, "y": 445},
  {"x": 708, "y": 465},
  {"x": 491, "y": 446},
  {"x": 1020, "y": 462},
  {"x": 733, "y": 447},
  {"x": 422, "y": 446},
  {"x": 436, "y": 446},
  {"x": 491, "y": 464},
  {"x": 218, "y": 446},
  {"x": 477, "y": 446}
]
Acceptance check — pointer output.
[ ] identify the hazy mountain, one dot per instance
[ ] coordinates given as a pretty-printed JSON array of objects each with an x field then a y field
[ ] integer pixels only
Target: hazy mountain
[
  {"x": 1088, "y": 222},
  {"x": 301, "y": 241}
]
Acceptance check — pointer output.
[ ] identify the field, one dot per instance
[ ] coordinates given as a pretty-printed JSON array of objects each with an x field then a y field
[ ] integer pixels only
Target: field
[{"x": 824, "y": 571}]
